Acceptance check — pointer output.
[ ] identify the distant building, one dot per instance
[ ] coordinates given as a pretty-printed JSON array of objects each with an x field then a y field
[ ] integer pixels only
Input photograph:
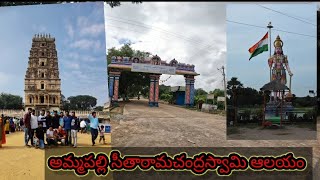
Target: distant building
[
  {"x": 178, "y": 94},
  {"x": 42, "y": 82}
]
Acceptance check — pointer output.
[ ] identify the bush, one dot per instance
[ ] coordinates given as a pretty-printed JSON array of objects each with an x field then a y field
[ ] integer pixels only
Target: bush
[
  {"x": 199, "y": 98},
  {"x": 247, "y": 114},
  {"x": 166, "y": 97},
  {"x": 220, "y": 105}
]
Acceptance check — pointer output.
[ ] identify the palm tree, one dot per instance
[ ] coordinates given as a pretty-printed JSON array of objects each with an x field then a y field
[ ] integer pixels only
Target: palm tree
[{"x": 233, "y": 88}]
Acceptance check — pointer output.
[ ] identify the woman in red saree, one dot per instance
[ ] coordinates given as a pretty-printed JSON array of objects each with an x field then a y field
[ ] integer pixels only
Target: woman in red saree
[{"x": 2, "y": 132}]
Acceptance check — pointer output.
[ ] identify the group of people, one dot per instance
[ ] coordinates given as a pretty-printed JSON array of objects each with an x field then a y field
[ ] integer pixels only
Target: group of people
[
  {"x": 11, "y": 124},
  {"x": 47, "y": 129},
  {"x": 57, "y": 129}
]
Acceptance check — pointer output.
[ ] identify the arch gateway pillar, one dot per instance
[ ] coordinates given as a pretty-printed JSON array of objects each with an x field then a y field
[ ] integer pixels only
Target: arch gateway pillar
[
  {"x": 114, "y": 77},
  {"x": 154, "y": 90},
  {"x": 189, "y": 94}
]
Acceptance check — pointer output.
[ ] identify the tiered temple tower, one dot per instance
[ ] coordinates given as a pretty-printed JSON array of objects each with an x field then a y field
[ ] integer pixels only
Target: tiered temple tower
[{"x": 42, "y": 82}]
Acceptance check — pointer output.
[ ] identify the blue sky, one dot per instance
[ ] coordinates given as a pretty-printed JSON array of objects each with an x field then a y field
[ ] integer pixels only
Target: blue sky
[
  {"x": 301, "y": 50},
  {"x": 80, "y": 40}
]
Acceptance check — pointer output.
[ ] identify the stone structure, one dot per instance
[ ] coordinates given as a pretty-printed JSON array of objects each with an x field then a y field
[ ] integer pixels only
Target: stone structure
[
  {"x": 119, "y": 64},
  {"x": 42, "y": 82}
]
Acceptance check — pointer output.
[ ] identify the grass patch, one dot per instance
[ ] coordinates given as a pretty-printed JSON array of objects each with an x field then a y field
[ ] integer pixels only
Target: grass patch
[
  {"x": 118, "y": 110},
  {"x": 232, "y": 130},
  {"x": 248, "y": 125},
  {"x": 311, "y": 126}
]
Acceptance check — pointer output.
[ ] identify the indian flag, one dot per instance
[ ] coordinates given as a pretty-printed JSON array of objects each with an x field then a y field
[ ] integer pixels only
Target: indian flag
[{"x": 259, "y": 47}]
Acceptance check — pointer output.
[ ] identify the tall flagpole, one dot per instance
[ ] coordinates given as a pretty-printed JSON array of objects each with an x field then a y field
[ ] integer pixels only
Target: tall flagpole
[
  {"x": 270, "y": 26},
  {"x": 269, "y": 36}
]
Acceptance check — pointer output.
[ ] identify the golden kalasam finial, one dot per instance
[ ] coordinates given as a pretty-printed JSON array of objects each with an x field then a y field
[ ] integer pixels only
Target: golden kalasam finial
[{"x": 278, "y": 42}]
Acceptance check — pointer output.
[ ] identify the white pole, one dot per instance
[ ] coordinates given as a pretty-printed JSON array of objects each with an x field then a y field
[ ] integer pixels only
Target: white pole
[{"x": 270, "y": 26}]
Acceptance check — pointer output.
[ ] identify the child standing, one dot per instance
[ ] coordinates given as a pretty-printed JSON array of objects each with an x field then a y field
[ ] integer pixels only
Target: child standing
[
  {"x": 40, "y": 135},
  {"x": 101, "y": 130},
  {"x": 35, "y": 140}
]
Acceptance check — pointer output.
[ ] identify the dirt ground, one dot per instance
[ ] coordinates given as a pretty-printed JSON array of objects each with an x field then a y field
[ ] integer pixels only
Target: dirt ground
[
  {"x": 142, "y": 126},
  {"x": 18, "y": 162},
  {"x": 171, "y": 126},
  {"x": 289, "y": 132},
  {"x": 165, "y": 126}
]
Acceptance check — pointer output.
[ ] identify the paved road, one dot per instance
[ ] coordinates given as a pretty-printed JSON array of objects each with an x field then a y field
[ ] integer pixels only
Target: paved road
[{"x": 171, "y": 126}]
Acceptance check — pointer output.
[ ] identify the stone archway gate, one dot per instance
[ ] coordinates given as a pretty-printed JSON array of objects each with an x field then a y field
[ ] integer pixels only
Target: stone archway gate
[{"x": 155, "y": 67}]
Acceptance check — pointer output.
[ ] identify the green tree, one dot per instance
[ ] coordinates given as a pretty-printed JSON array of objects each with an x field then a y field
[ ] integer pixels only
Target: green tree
[
  {"x": 131, "y": 83},
  {"x": 65, "y": 103},
  {"x": 82, "y": 102},
  {"x": 200, "y": 92},
  {"x": 306, "y": 101},
  {"x": 200, "y": 95},
  {"x": 98, "y": 108},
  {"x": 165, "y": 93},
  {"x": 10, "y": 101},
  {"x": 234, "y": 87},
  {"x": 217, "y": 92},
  {"x": 124, "y": 51},
  {"x": 113, "y": 4},
  {"x": 249, "y": 97}
]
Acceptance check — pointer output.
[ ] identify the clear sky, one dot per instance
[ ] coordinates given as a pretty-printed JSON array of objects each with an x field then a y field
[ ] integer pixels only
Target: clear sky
[
  {"x": 301, "y": 50},
  {"x": 80, "y": 41},
  {"x": 190, "y": 32}
]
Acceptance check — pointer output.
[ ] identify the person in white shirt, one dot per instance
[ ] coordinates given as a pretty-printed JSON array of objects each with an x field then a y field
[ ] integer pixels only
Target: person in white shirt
[
  {"x": 34, "y": 125},
  {"x": 51, "y": 136},
  {"x": 42, "y": 119},
  {"x": 83, "y": 126}
]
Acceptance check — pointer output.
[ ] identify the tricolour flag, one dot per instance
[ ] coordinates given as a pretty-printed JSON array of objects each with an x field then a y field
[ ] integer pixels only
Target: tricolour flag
[{"x": 259, "y": 47}]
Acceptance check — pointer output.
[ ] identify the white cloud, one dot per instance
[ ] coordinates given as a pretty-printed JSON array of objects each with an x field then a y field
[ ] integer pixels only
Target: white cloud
[
  {"x": 72, "y": 65},
  {"x": 70, "y": 30},
  {"x": 87, "y": 58},
  {"x": 92, "y": 30},
  {"x": 82, "y": 21},
  {"x": 78, "y": 56},
  {"x": 192, "y": 33},
  {"x": 86, "y": 44},
  {"x": 73, "y": 55},
  {"x": 79, "y": 74}
]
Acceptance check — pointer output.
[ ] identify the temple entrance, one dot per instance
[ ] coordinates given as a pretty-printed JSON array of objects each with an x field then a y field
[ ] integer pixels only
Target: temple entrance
[{"x": 152, "y": 68}]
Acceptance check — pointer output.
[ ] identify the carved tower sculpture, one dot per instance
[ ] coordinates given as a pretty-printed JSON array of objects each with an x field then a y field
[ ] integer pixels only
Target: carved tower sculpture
[{"x": 42, "y": 82}]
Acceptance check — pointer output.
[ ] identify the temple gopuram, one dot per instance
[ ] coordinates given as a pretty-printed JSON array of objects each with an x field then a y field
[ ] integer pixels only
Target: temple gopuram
[{"x": 42, "y": 82}]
